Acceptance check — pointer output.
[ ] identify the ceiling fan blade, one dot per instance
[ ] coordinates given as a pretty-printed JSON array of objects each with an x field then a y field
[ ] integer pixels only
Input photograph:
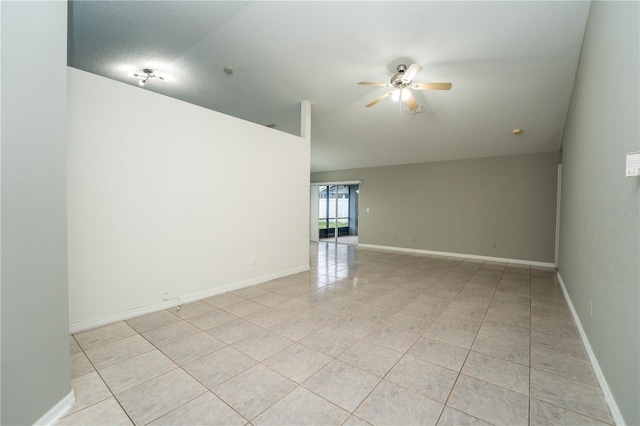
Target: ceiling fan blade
[
  {"x": 411, "y": 102},
  {"x": 375, "y": 101},
  {"x": 369, "y": 83},
  {"x": 431, "y": 86},
  {"x": 411, "y": 73}
]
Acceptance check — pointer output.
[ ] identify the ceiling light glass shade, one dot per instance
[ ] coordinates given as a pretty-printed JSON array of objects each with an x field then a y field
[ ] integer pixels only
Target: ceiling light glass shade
[{"x": 400, "y": 93}]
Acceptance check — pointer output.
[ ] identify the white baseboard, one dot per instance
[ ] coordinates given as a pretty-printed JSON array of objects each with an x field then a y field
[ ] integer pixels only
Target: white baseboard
[
  {"x": 608, "y": 396},
  {"x": 467, "y": 256},
  {"x": 56, "y": 412},
  {"x": 89, "y": 324}
]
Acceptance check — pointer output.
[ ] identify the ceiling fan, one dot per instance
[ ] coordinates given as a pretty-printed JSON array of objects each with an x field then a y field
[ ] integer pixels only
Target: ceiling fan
[{"x": 402, "y": 82}]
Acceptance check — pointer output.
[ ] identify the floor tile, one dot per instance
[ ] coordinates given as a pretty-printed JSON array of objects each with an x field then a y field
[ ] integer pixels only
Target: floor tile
[
  {"x": 544, "y": 414},
  {"x": 302, "y": 407},
  {"x": 558, "y": 345},
  {"x": 233, "y": 331},
  {"x": 439, "y": 353},
  {"x": 465, "y": 309},
  {"x": 560, "y": 329},
  {"x": 453, "y": 335},
  {"x": 489, "y": 402},
  {"x": 370, "y": 357},
  {"x": 355, "y": 421},
  {"x": 133, "y": 371},
  {"x": 250, "y": 292},
  {"x": 295, "y": 328},
  {"x": 222, "y": 300},
  {"x": 267, "y": 317},
  {"x": 153, "y": 320},
  {"x": 170, "y": 333},
  {"x": 353, "y": 325},
  {"x": 509, "y": 318},
  {"x": 566, "y": 393},
  {"x": 102, "y": 335},
  {"x": 501, "y": 347},
  {"x": 384, "y": 334},
  {"x": 74, "y": 348},
  {"x": 88, "y": 389},
  {"x": 192, "y": 309},
  {"x": 392, "y": 338},
  {"x": 253, "y": 391},
  {"x": 464, "y": 322},
  {"x": 186, "y": 350},
  {"x": 159, "y": 396},
  {"x": 427, "y": 379},
  {"x": 207, "y": 369},
  {"x": 329, "y": 341},
  {"x": 562, "y": 365},
  {"x": 506, "y": 331},
  {"x": 244, "y": 308},
  {"x": 509, "y": 306},
  {"x": 390, "y": 404},
  {"x": 407, "y": 323},
  {"x": 270, "y": 299},
  {"x": 297, "y": 362},
  {"x": 342, "y": 384},
  {"x": 211, "y": 319},
  {"x": 80, "y": 365},
  {"x": 453, "y": 417},
  {"x": 107, "y": 412},
  {"x": 262, "y": 345},
  {"x": 552, "y": 311},
  {"x": 207, "y": 409},
  {"x": 502, "y": 373},
  {"x": 120, "y": 350}
]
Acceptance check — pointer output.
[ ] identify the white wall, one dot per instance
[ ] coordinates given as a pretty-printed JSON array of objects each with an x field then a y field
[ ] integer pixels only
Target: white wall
[{"x": 146, "y": 176}]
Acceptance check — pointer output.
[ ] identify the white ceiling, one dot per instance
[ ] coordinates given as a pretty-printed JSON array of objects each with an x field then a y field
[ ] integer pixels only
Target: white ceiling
[{"x": 512, "y": 65}]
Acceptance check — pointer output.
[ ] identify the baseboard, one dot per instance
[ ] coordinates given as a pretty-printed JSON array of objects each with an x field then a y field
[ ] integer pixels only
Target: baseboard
[
  {"x": 56, "y": 412},
  {"x": 462, "y": 255},
  {"x": 89, "y": 324},
  {"x": 608, "y": 396}
]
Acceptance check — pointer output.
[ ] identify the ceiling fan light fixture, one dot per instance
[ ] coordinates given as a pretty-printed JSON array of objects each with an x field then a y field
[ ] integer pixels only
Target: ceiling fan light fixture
[{"x": 400, "y": 94}]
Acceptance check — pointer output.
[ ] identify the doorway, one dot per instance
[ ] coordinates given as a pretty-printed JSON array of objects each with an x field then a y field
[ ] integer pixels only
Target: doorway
[{"x": 334, "y": 213}]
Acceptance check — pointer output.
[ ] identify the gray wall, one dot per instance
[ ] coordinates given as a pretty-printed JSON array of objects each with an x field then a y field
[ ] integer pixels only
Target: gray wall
[
  {"x": 461, "y": 206},
  {"x": 35, "y": 318},
  {"x": 599, "y": 246}
]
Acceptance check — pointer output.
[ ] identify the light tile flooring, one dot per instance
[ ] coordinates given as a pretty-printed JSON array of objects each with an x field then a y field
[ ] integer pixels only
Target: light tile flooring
[{"x": 365, "y": 337}]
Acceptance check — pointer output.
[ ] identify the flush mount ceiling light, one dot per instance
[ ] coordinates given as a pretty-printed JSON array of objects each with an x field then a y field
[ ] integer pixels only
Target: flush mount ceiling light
[{"x": 148, "y": 73}]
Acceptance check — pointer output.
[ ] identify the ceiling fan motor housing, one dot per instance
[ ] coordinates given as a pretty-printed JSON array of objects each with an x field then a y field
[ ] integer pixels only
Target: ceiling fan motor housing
[{"x": 397, "y": 80}]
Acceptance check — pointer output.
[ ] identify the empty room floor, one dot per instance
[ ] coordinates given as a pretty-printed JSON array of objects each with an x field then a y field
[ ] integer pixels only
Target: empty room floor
[{"x": 365, "y": 337}]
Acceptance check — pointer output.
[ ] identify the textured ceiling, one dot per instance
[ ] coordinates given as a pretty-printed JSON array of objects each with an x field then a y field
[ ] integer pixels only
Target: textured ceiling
[{"x": 512, "y": 65}]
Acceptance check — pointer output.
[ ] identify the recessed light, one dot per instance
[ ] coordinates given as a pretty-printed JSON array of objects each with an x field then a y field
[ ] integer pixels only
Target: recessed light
[{"x": 517, "y": 131}]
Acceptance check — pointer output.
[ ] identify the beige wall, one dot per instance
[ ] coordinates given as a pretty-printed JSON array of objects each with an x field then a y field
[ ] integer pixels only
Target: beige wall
[
  {"x": 461, "y": 206},
  {"x": 35, "y": 371},
  {"x": 599, "y": 232}
]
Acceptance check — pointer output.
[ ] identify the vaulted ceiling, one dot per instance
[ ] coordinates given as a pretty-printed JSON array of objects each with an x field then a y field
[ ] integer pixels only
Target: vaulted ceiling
[{"x": 512, "y": 65}]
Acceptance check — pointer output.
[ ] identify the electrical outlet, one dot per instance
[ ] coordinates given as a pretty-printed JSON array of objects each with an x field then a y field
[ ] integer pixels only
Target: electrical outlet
[
  {"x": 494, "y": 244},
  {"x": 590, "y": 309},
  {"x": 253, "y": 260}
]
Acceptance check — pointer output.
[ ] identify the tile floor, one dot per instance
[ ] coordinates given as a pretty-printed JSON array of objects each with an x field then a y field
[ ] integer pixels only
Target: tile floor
[{"x": 365, "y": 337}]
